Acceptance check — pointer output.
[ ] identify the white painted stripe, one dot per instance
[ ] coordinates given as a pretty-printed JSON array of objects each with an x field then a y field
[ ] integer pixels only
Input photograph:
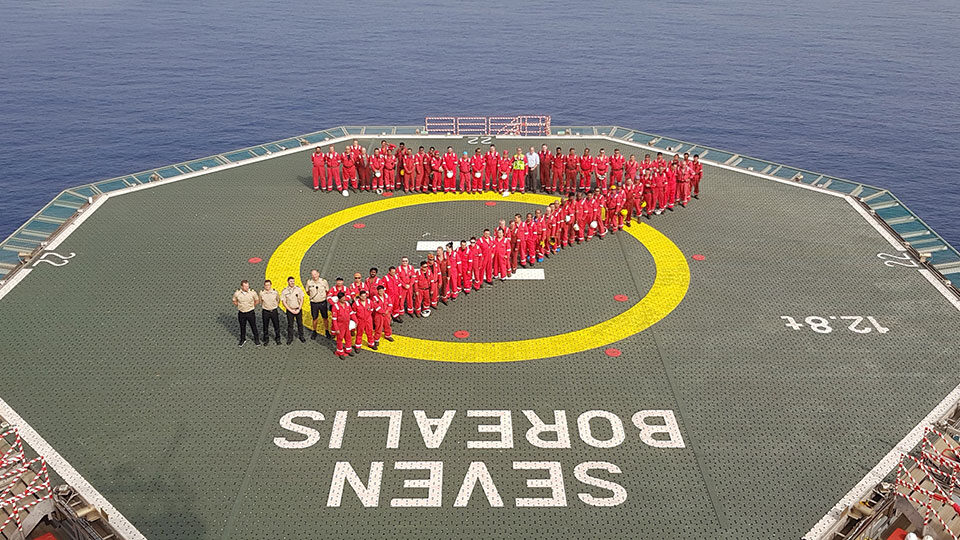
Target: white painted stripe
[
  {"x": 528, "y": 273},
  {"x": 872, "y": 220},
  {"x": 68, "y": 230},
  {"x": 11, "y": 282},
  {"x": 69, "y": 474},
  {"x": 889, "y": 461},
  {"x": 952, "y": 298},
  {"x": 432, "y": 245}
]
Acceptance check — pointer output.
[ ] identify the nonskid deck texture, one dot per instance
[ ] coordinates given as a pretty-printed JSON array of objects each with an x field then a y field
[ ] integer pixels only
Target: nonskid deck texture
[{"x": 127, "y": 364}]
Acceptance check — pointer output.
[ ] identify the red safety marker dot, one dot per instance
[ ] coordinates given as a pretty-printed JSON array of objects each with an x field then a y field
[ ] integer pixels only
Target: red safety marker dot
[
  {"x": 491, "y": 203},
  {"x": 612, "y": 352},
  {"x": 388, "y": 194},
  {"x": 698, "y": 257},
  {"x": 254, "y": 260},
  {"x": 462, "y": 334},
  {"x": 620, "y": 297},
  {"x": 358, "y": 225}
]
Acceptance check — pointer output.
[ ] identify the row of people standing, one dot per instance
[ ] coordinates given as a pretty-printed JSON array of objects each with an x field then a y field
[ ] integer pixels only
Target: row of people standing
[
  {"x": 374, "y": 304},
  {"x": 398, "y": 167}
]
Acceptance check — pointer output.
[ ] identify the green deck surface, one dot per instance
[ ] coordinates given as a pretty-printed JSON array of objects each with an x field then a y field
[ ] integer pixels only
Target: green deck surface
[{"x": 125, "y": 360}]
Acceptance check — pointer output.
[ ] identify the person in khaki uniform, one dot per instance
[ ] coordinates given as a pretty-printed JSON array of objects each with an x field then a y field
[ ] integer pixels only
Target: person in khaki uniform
[
  {"x": 292, "y": 297},
  {"x": 317, "y": 289},
  {"x": 246, "y": 300},
  {"x": 270, "y": 312}
]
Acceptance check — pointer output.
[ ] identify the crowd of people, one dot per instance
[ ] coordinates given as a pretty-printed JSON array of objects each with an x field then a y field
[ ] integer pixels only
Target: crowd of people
[
  {"x": 660, "y": 183},
  {"x": 597, "y": 195}
]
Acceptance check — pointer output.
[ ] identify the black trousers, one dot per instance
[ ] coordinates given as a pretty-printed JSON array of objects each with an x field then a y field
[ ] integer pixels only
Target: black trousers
[
  {"x": 248, "y": 318},
  {"x": 270, "y": 316},
  {"x": 294, "y": 319},
  {"x": 532, "y": 179}
]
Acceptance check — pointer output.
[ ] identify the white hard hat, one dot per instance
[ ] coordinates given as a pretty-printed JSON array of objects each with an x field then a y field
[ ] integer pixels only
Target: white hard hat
[
  {"x": 346, "y": 193},
  {"x": 353, "y": 325},
  {"x": 449, "y": 174},
  {"x": 593, "y": 224}
]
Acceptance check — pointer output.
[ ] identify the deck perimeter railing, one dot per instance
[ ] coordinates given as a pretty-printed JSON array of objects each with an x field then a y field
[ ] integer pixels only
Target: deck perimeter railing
[{"x": 33, "y": 235}]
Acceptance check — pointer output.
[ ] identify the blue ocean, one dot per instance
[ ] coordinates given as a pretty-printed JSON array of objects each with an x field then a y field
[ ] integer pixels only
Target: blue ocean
[{"x": 866, "y": 90}]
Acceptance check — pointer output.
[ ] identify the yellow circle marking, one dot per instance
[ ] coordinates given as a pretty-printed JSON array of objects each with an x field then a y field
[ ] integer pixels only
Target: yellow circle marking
[{"x": 669, "y": 288}]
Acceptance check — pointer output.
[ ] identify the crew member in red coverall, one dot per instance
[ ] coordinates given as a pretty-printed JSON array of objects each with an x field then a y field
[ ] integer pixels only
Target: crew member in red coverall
[
  {"x": 586, "y": 170},
  {"x": 660, "y": 162},
  {"x": 486, "y": 256},
  {"x": 649, "y": 192},
  {"x": 513, "y": 233},
  {"x": 409, "y": 166},
  {"x": 376, "y": 167},
  {"x": 580, "y": 213},
  {"x": 466, "y": 179},
  {"x": 392, "y": 282},
  {"x": 423, "y": 279},
  {"x": 420, "y": 170},
  {"x": 557, "y": 163},
  {"x": 436, "y": 171},
  {"x": 349, "y": 171},
  {"x": 564, "y": 222},
  {"x": 436, "y": 279},
  {"x": 448, "y": 163},
  {"x": 534, "y": 227},
  {"x": 401, "y": 173},
  {"x": 340, "y": 315},
  {"x": 476, "y": 255},
  {"x": 616, "y": 201},
  {"x": 353, "y": 289},
  {"x": 673, "y": 172},
  {"x": 382, "y": 316},
  {"x": 633, "y": 168},
  {"x": 546, "y": 161},
  {"x": 630, "y": 200},
  {"x": 662, "y": 182},
  {"x": 406, "y": 273},
  {"x": 319, "y": 171},
  {"x": 697, "y": 175},
  {"x": 572, "y": 170},
  {"x": 478, "y": 165},
  {"x": 503, "y": 168},
  {"x": 501, "y": 256},
  {"x": 465, "y": 262},
  {"x": 452, "y": 290},
  {"x": 363, "y": 169},
  {"x": 617, "y": 162},
  {"x": 372, "y": 282},
  {"x": 646, "y": 164},
  {"x": 363, "y": 316},
  {"x": 332, "y": 159},
  {"x": 684, "y": 176},
  {"x": 389, "y": 170},
  {"x": 601, "y": 164},
  {"x": 594, "y": 205},
  {"x": 492, "y": 174},
  {"x": 523, "y": 241}
]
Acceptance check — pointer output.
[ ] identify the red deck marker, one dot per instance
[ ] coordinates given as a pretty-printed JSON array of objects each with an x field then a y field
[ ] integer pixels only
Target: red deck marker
[
  {"x": 621, "y": 297},
  {"x": 462, "y": 334},
  {"x": 388, "y": 194},
  {"x": 254, "y": 260},
  {"x": 358, "y": 225},
  {"x": 612, "y": 352},
  {"x": 698, "y": 257},
  {"x": 491, "y": 203}
]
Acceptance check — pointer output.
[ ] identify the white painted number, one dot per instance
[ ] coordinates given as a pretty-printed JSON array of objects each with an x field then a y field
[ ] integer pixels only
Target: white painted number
[
  {"x": 479, "y": 140},
  {"x": 791, "y": 323},
  {"x": 881, "y": 329},
  {"x": 818, "y": 324},
  {"x": 897, "y": 260},
  {"x": 821, "y": 325}
]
